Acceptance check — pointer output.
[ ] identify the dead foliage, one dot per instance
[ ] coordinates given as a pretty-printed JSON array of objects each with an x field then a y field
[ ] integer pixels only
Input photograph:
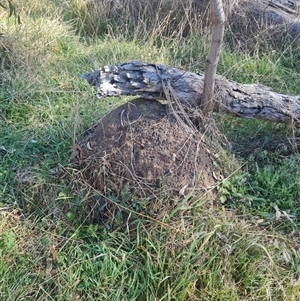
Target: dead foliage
[
  {"x": 255, "y": 25},
  {"x": 249, "y": 25}
]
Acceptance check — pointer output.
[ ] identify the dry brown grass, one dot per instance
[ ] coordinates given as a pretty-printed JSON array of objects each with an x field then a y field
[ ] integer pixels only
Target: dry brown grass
[{"x": 172, "y": 18}]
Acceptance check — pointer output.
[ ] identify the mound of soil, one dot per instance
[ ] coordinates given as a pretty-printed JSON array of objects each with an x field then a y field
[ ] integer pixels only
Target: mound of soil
[{"x": 140, "y": 147}]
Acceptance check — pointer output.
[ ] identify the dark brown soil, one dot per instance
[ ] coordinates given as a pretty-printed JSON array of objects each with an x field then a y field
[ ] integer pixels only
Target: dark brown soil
[{"x": 138, "y": 146}]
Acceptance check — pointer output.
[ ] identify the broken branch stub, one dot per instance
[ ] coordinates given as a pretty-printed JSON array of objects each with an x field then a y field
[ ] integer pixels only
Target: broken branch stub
[{"x": 148, "y": 80}]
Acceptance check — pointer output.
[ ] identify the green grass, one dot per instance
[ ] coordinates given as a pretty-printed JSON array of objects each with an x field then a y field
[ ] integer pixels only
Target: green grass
[{"x": 61, "y": 240}]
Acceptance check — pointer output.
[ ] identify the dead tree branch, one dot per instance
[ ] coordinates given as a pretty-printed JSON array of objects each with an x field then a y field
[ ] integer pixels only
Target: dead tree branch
[{"x": 148, "y": 80}]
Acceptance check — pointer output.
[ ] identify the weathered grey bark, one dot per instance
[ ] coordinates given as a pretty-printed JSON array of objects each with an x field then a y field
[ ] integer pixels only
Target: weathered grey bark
[
  {"x": 151, "y": 80},
  {"x": 218, "y": 20}
]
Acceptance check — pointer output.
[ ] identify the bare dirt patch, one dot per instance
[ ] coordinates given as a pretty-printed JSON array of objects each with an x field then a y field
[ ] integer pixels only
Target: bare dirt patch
[{"x": 139, "y": 146}]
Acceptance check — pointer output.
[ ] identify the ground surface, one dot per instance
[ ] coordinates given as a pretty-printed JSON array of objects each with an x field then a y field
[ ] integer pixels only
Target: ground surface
[{"x": 139, "y": 145}]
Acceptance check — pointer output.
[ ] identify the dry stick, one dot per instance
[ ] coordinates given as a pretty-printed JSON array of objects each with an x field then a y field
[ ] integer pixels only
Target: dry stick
[
  {"x": 218, "y": 20},
  {"x": 184, "y": 122}
]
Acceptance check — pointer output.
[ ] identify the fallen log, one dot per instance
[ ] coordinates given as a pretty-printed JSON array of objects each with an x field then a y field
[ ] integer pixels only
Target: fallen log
[{"x": 154, "y": 81}]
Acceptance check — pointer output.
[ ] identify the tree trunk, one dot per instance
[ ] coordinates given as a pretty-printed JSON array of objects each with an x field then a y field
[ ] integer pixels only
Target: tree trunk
[
  {"x": 150, "y": 80},
  {"x": 218, "y": 20}
]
